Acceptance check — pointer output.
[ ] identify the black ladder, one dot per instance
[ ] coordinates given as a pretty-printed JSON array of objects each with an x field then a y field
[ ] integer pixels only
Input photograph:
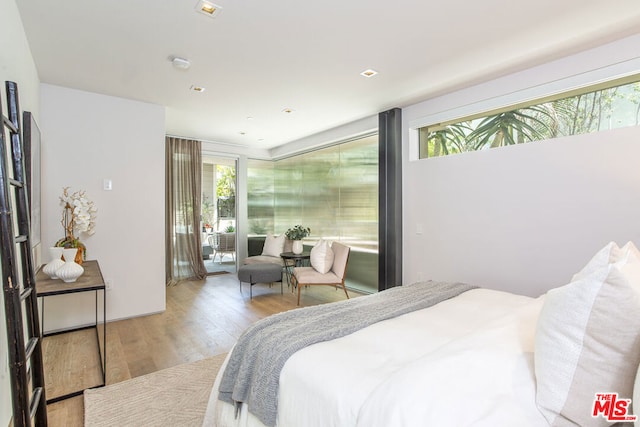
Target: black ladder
[{"x": 20, "y": 300}]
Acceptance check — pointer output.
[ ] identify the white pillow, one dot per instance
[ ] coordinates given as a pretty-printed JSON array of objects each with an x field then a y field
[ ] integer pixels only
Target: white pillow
[
  {"x": 321, "y": 257},
  {"x": 608, "y": 255},
  {"x": 630, "y": 248},
  {"x": 273, "y": 245},
  {"x": 588, "y": 341}
]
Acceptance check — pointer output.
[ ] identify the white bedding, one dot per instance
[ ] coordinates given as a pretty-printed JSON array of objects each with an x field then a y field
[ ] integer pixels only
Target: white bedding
[{"x": 465, "y": 361}]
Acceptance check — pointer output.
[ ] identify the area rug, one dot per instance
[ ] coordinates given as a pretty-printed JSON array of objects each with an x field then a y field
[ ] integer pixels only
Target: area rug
[{"x": 175, "y": 396}]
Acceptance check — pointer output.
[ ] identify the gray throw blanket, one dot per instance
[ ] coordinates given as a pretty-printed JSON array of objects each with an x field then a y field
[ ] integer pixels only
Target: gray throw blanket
[{"x": 253, "y": 370}]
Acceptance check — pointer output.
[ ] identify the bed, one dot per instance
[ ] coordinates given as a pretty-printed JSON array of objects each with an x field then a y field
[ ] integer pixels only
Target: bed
[{"x": 480, "y": 358}]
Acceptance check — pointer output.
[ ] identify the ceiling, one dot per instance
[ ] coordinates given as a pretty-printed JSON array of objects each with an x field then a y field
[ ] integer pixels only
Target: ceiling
[{"x": 258, "y": 58}]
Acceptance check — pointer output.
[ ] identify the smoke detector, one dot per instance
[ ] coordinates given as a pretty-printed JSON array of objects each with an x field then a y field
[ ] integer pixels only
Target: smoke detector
[{"x": 180, "y": 63}]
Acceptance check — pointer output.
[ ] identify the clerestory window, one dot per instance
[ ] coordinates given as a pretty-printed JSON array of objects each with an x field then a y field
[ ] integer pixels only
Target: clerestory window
[{"x": 605, "y": 106}]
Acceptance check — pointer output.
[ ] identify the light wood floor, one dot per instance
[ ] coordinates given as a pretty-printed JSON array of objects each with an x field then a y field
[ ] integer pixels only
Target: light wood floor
[{"x": 202, "y": 319}]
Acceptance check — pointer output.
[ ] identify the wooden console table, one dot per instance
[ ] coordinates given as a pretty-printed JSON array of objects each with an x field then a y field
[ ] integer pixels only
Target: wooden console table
[{"x": 91, "y": 280}]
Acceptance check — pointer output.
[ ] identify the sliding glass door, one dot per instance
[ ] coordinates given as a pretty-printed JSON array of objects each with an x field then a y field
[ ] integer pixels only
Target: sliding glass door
[{"x": 218, "y": 215}]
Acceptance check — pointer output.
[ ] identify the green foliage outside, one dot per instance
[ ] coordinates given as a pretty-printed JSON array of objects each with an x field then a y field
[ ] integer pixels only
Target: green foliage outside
[
  {"x": 208, "y": 212},
  {"x": 226, "y": 191},
  {"x": 226, "y": 181}
]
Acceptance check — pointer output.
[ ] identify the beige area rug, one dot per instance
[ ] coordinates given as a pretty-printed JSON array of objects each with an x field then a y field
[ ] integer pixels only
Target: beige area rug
[{"x": 176, "y": 396}]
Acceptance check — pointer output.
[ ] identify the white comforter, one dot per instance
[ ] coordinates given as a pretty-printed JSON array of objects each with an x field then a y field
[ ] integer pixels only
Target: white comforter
[{"x": 467, "y": 361}]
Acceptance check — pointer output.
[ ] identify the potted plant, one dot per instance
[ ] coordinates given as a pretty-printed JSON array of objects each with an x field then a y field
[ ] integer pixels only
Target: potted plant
[
  {"x": 297, "y": 233},
  {"x": 207, "y": 214}
]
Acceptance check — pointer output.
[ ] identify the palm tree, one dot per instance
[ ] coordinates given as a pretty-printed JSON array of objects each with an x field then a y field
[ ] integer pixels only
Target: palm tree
[
  {"x": 511, "y": 127},
  {"x": 449, "y": 140}
]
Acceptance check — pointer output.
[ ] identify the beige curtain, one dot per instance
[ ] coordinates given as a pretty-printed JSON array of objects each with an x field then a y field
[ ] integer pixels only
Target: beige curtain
[{"x": 183, "y": 193}]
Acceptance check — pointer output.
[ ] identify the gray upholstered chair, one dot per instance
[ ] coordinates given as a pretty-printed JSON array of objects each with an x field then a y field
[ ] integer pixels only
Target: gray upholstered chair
[{"x": 303, "y": 276}]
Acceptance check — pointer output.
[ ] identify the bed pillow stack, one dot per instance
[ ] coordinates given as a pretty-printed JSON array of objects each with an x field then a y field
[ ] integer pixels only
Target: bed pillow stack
[
  {"x": 321, "y": 257},
  {"x": 588, "y": 338},
  {"x": 273, "y": 245}
]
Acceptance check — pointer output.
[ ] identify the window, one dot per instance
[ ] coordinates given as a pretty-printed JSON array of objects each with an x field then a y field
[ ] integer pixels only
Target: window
[{"x": 594, "y": 109}]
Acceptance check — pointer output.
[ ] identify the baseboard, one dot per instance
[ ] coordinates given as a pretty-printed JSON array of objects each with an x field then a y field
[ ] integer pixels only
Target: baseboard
[
  {"x": 54, "y": 331},
  {"x": 134, "y": 316}
]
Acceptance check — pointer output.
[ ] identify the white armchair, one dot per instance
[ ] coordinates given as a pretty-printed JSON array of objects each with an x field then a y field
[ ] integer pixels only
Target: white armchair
[
  {"x": 223, "y": 243},
  {"x": 306, "y": 276}
]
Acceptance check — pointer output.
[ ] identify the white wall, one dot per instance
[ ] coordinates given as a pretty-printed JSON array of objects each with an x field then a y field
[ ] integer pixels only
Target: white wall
[
  {"x": 86, "y": 138},
  {"x": 521, "y": 218},
  {"x": 16, "y": 64}
]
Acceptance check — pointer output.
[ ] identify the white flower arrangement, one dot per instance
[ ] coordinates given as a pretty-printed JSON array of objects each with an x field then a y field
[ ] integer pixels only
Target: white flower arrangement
[
  {"x": 78, "y": 216},
  {"x": 83, "y": 212}
]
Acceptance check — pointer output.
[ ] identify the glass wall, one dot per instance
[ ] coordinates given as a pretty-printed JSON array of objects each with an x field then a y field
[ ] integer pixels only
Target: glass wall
[
  {"x": 260, "y": 200},
  {"x": 334, "y": 191}
]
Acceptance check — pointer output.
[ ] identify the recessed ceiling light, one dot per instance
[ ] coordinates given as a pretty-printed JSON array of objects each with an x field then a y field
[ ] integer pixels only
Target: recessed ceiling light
[
  {"x": 369, "y": 73},
  {"x": 242, "y": 133},
  {"x": 208, "y": 8},
  {"x": 287, "y": 111},
  {"x": 249, "y": 118},
  {"x": 197, "y": 88}
]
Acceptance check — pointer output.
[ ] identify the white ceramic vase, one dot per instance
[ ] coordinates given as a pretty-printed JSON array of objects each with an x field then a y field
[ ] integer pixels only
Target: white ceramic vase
[
  {"x": 297, "y": 247},
  {"x": 51, "y": 269},
  {"x": 70, "y": 271}
]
